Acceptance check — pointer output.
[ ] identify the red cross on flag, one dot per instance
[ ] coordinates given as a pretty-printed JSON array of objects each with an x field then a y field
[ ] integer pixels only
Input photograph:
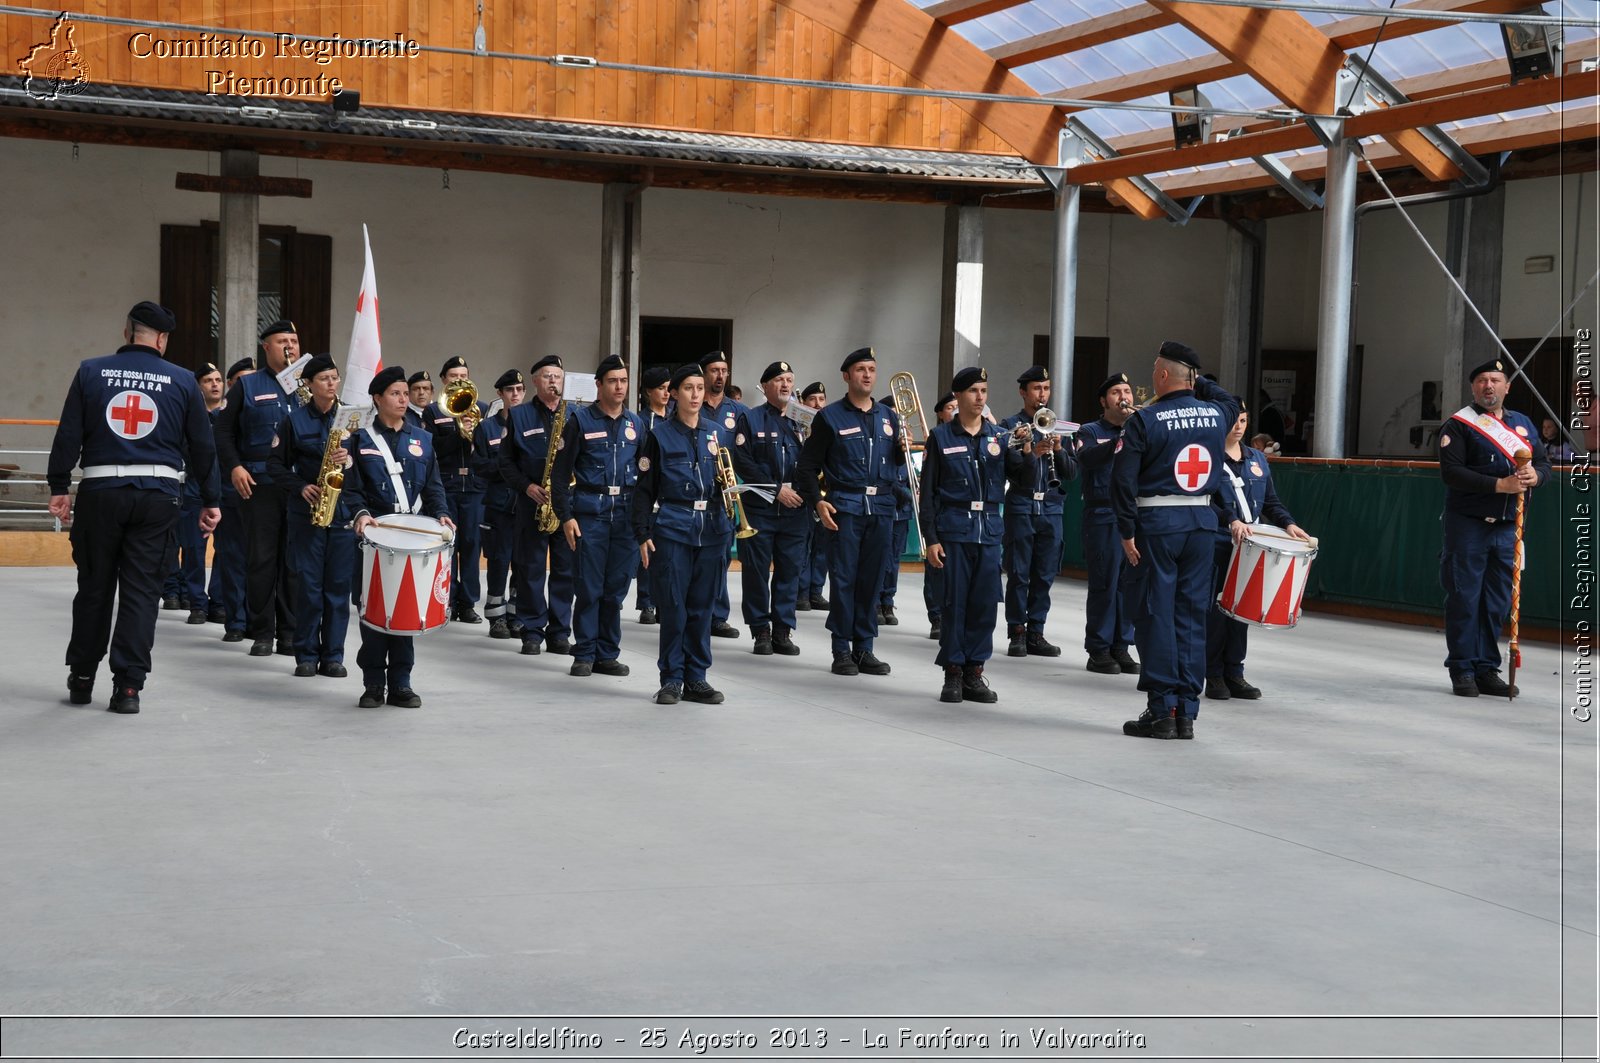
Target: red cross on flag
[
  {"x": 1193, "y": 467},
  {"x": 132, "y": 414}
]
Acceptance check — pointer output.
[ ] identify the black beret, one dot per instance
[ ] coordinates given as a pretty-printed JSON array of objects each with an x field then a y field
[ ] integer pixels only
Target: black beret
[
  {"x": 1110, "y": 382},
  {"x": 510, "y": 378},
  {"x": 860, "y": 354},
  {"x": 684, "y": 372},
  {"x": 965, "y": 378},
  {"x": 609, "y": 364},
  {"x": 205, "y": 370},
  {"x": 944, "y": 400},
  {"x": 1182, "y": 353},
  {"x": 654, "y": 376},
  {"x": 417, "y": 377},
  {"x": 714, "y": 358},
  {"x": 1493, "y": 365},
  {"x": 243, "y": 365},
  {"x": 153, "y": 315},
  {"x": 549, "y": 359},
  {"x": 319, "y": 364},
  {"x": 813, "y": 388},
  {"x": 775, "y": 369},
  {"x": 887, "y": 400},
  {"x": 455, "y": 362},
  {"x": 1033, "y": 374},
  {"x": 277, "y": 327},
  {"x": 384, "y": 379}
]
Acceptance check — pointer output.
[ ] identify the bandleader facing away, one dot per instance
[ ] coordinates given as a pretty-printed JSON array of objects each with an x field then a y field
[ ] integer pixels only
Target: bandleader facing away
[
  {"x": 394, "y": 471},
  {"x": 136, "y": 423},
  {"x": 963, "y": 486},
  {"x": 1482, "y": 480},
  {"x": 1169, "y": 464}
]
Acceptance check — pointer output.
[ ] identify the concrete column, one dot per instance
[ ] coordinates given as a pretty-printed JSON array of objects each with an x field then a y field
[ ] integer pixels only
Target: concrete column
[
  {"x": 621, "y": 213},
  {"x": 239, "y": 285},
  {"x": 1473, "y": 252},
  {"x": 1064, "y": 298},
  {"x": 1237, "y": 358},
  {"x": 961, "y": 302},
  {"x": 1333, "y": 312}
]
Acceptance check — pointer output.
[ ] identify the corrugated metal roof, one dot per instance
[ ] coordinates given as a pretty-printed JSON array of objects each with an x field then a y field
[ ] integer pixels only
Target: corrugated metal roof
[{"x": 443, "y": 127}]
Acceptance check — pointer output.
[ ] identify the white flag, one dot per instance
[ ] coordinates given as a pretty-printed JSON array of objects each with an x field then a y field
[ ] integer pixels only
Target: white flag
[{"x": 366, "y": 343}]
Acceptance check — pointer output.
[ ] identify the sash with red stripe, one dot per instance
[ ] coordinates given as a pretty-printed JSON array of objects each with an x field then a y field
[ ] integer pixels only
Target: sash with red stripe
[{"x": 1496, "y": 431}]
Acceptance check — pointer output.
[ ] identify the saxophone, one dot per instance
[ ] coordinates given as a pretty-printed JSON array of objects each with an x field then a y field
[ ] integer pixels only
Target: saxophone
[
  {"x": 546, "y": 517},
  {"x": 330, "y": 478}
]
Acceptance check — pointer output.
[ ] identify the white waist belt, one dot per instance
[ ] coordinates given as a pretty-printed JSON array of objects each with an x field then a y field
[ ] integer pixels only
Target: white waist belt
[
  {"x": 165, "y": 472},
  {"x": 1175, "y": 500}
]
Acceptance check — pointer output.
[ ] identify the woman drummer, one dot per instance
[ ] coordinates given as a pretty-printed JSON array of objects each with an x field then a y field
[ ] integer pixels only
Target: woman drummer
[
  {"x": 394, "y": 471},
  {"x": 1246, "y": 497}
]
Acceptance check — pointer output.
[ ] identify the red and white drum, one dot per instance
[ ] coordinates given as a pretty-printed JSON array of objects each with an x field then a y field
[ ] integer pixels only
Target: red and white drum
[
  {"x": 405, "y": 566},
  {"x": 1267, "y": 577}
]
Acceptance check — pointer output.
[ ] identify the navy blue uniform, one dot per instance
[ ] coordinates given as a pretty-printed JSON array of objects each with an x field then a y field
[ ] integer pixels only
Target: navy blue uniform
[
  {"x": 249, "y": 422},
  {"x": 677, "y": 504},
  {"x": 1168, "y": 464},
  {"x": 724, "y": 417},
  {"x": 136, "y": 424},
  {"x": 323, "y": 559},
  {"x": 1107, "y": 626},
  {"x": 1480, "y": 536},
  {"x": 499, "y": 514},
  {"x": 963, "y": 487},
  {"x": 464, "y": 490},
  {"x": 856, "y": 450},
  {"x": 592, "y": 482},
  {"x": 641, "y": 593},
  {"x": 767, "y": 451},
  {"x": 369, "y": 488},
  {"x": 1032, "y": 555},
  {"x": 899, "y": 536},
  {"x": 1227, "y": 639},
  {"x": 226, "y": 590},
  {"x": 188, "y": 580},
  {"x": 522, "y": 457}
]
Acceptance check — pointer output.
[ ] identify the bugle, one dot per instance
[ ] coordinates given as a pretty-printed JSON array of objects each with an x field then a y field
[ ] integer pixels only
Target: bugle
[
  {"x": 729, "y": 482},
  {"x": 908, "y": 408}
]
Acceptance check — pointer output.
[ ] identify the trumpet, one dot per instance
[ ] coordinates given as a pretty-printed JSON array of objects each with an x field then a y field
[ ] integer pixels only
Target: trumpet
[
  {"x": 1043, "y": 424},
  {"x": 460, "y": 400},
  {"x": 908, "y": 406},
  {"x": 729, "y": 482}
]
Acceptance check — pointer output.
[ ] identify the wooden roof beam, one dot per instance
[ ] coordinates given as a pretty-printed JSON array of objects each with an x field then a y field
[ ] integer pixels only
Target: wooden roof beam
[{"x": 951, "y": 12}]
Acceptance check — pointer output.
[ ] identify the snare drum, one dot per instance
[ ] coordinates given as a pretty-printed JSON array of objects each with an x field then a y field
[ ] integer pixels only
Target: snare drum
[
  {"x": 405, "y": 566},
  {"x": 1267, "y": 577}
]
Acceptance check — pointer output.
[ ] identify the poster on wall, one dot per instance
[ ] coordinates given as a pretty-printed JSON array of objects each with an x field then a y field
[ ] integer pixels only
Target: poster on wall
[{"x": 1279, "y": 386}]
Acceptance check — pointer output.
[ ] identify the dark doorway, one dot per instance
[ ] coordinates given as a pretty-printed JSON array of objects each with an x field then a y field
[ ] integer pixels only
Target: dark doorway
[
  {"x": 1553, "y": 370},
  {"x": 672, "y": 341},
  {"x": 1287, "y": 395},
  {"x": 1090, "y": 357}
]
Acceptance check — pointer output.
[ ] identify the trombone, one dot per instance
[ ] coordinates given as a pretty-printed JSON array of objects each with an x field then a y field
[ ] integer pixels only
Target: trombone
[
  {"x": 908, "y": 408},
  {"x": 729, "y": 482}
]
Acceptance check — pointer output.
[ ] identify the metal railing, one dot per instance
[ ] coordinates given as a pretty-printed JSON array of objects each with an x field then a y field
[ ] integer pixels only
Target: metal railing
[{"x": 25, "y": 512}]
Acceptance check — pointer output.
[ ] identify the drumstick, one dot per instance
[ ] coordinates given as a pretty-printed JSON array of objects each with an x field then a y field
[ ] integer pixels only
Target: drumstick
[
  {"x": 1522, "y": 458},
  {"x": 443, "y": 533}
]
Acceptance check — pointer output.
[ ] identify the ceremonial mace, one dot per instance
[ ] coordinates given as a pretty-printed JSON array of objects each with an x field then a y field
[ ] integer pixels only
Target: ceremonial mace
[{"x": 1522, "y": 458}]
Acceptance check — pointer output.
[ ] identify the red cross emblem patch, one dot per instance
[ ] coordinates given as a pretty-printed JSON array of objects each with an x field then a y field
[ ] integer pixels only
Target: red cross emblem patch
[
  {"x": 132, "y": 414},
  {"x": 1193, "y": 467}
]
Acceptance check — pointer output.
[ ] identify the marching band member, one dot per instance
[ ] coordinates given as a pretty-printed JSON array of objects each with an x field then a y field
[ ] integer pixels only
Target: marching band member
[
  {"x": 944, "y": 412},
  {"x": 135, "y": 422},
  {"x": 963, "y": 486},
  {"x": 324, "y": 559},
  {"x": 545, "y": 618},
  {"x": 683, "y": 541},
  {"x": 852, "y": 442},
  {"x": 655, "y": 387},
  {"x": 1245, "y": 497},
  {"x": 226, "y": 589},
  {"x": 1034, "y": 499},
  {"x": 464, "y": 489},
  {"x": 898, "y": 538},
  {"x": 256, "y": 407},
  {"x": 1482, "y": 482},
  {"x": 721, "y": 412},
  {"x": 394, "y": 471},
  {"x": 1108, "y": 629},
  {"x": 420, "y": 387},
  {"x": 767, "y": 451},
  {"x": 814, "y": 566},
  {"x": 1162, "y": 479},
  {"x": 191, "y": 571},
  {"x": 596, "y": 466},
  {"x": 499, "y": 503}
]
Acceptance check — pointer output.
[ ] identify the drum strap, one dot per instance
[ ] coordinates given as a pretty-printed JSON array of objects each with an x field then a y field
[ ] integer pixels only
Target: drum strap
[
  {"x": 403, "y": 502},
  {"x": 1238, "y": 494}
]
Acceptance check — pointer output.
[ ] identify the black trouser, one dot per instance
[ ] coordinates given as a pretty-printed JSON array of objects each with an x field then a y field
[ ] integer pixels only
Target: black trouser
[
  {"x": 266, "y": 556},
  {"x": 124, "y": 540}
]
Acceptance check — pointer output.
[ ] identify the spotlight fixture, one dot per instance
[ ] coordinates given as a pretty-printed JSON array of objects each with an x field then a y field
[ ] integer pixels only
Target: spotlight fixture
[
  {"x": 1190, "y": 127},
  {"x": 346, "y": 101},
  {"x": 1532, "y": 49}
]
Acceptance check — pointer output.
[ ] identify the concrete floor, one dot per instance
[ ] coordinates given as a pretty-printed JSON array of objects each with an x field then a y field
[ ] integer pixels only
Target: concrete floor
[{"x": 1358, "y": 843}]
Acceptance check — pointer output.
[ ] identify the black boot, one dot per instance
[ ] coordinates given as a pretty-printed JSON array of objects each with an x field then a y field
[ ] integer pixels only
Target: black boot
[
  {"x": 1242, "y": 690},
  {"x": 783, "y": 642},
  {"x": 1491, "y": 684},
  {"x": 1125, "y": 660},
  {"x": 1184, "y": 726},
  {"x": 763, "y": 646},
  {"x": 1019, "y": 642},
  {"x": 974, "y": 687},
  {"x": 935, "y": 629},
  {"x": 952, "y": 684},
  {"x": 124, "y": 699},
  {"x": 1152, "y": 723},
  {"x": 1104, "y": 663},
  {"x": 499, "y": 629},
  {"x": 886, "y": 616},
  {"x": 844, "y": 663},
  {"x": 867, "y": 664},
  {"x": 1039, "y": 646},
  {"x": 1217, "y": 690},
  {"x": 80, "y": 688},
  {"x": 648, "y": 616},
  {"x": 1463, "y": 684}
]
